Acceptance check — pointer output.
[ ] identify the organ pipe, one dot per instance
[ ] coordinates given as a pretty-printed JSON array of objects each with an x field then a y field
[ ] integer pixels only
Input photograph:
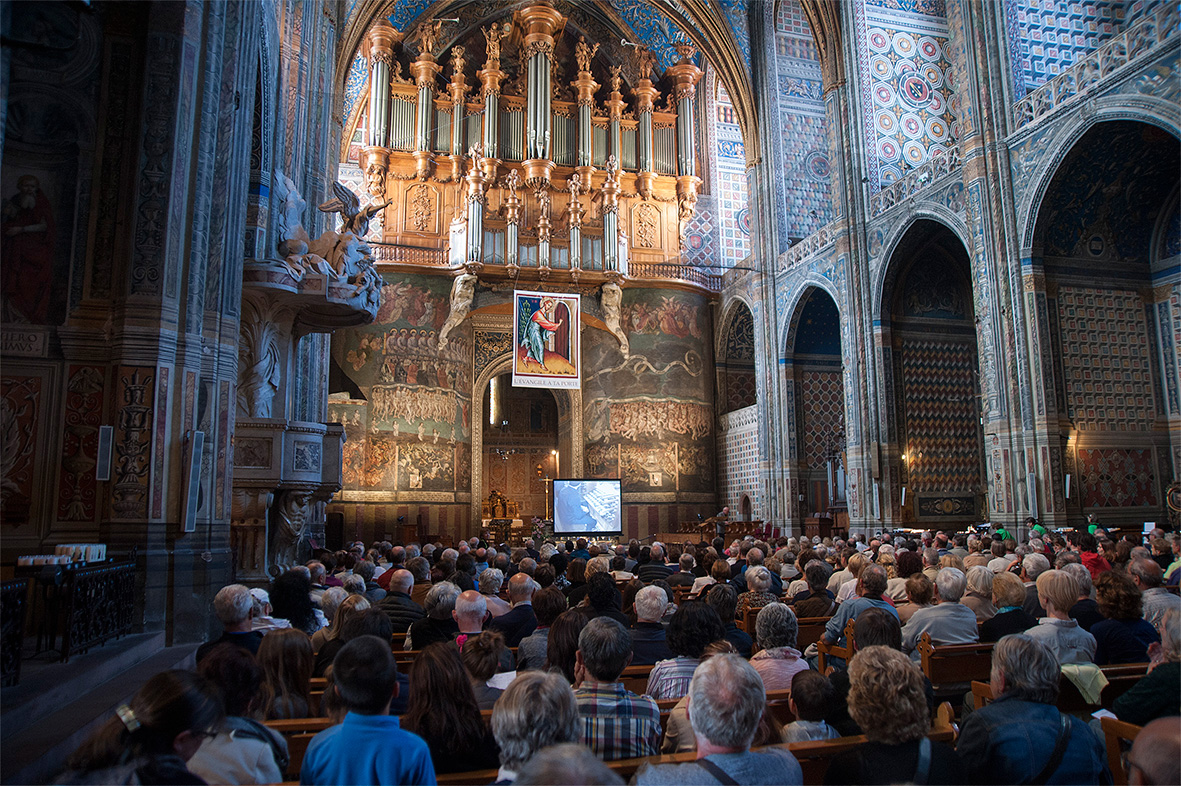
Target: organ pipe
[
  {"x": 425, "y": 70},
  {"x": 685, "y": 75},
  {"x": 540, "y": 23}
]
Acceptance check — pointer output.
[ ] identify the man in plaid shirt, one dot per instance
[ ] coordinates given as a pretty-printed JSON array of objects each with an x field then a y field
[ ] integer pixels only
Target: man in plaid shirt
[{"x": 616, "y": 723}]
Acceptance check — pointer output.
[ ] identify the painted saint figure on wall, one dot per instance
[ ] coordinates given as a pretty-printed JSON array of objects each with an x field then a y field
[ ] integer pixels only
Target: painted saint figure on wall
[{"x": 26, "y": 235}]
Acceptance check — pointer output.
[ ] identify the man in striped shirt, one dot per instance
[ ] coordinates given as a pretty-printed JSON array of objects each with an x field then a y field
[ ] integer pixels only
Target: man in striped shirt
[{"x": 616, "y": 723}]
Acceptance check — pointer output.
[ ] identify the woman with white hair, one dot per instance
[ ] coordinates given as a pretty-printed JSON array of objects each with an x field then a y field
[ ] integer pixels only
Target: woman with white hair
[
  {"x": 758, "y": 594},
  {"x": 491, "y": 580},
  {"x": 777, "y": 660},
  {"x": 1158, "y": 694},
  {"x": 330, "y": 601},
  {"x": 978, "y": 595}
]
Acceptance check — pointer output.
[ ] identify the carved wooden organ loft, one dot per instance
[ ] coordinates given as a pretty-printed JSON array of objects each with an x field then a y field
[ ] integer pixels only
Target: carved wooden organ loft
[{"x": 533, "y": 176}]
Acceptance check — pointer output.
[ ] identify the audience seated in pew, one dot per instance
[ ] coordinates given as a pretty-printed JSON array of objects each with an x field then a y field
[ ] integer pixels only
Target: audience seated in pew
[
  {"x": 978, "y": 593},
  {"x": 1021, "y": 737},
  {"x": 520, "y": 620},
  {"x": 536, "y": 711},
  {"x": 547, "y": 605},
  {"x": 438, "y": 624},
  {"x": 398, "y": 604},
  {"x": 483, "y": 656},
  {"x": 1058, "y": 591},
  {"x": 603, "y": 599},
  {"x": 723, "y": 599},
  {"x": 1155, "y": 757},
  {"x": 616, "y": 723},
  {"x": 1008, "y": 595},
  {"x": 330, "y": 602},
  {"x": 886, "y": 699},
  {"x": 693, "y": 627},
  {"x": 726, "y": 703},
  {"x": 649, "y": 638},
  {"x": 817, "y": 600},
  {"x": 1158, "y": 694},
  {"x": 243, "y": 750},
  {"x": 567, "y": 763},
  {"x": 234, "y": 608},
  {"x": 812, "y": 699},
  {"x": 149, "y": 739},
  {"x": 285, "y": 657},
  {"x": 444, "y": 710},
  {"x": 777, "y": 660},
  {"x": 1123, "y": 636},
  {"x": 368, "y": 746},
  {"x": 948, "y": 621}
]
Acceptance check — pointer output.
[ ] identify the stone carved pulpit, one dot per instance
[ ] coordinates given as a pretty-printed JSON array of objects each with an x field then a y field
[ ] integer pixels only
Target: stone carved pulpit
[{"x": 285, "y": 470}]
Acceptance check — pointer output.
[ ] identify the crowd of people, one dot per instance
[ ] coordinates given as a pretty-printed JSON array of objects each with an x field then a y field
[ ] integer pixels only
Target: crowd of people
[{"x": 540, "y": 635}]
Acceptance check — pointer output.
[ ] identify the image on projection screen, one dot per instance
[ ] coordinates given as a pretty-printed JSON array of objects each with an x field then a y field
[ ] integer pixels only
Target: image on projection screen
[{"x": 587, "y": 506}]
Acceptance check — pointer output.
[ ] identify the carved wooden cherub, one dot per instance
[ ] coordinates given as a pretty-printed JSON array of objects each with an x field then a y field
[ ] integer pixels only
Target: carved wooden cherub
[
  {"x": 645, "y": 61},
  {"x": 512, "y": 181},
  {"x": 428, "y": 35},
  {"x": 493, "y": 35},
  {"x": 584, "y": 53}
]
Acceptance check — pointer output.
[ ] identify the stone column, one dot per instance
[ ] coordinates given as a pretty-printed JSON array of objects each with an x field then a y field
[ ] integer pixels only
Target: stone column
[{"x": 685, "y": 76}]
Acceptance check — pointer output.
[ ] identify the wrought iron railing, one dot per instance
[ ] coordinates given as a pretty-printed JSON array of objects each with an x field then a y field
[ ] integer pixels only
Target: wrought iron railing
[
  {"x": 1124, "y": 50},
  {"x": 14, "y": 604},
  {"x": 100, "y": 605}
]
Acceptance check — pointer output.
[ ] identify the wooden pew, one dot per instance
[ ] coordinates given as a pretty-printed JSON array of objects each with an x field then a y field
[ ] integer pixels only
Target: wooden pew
[
  {"x": 1120, "y": 678},
  {"x": 1115, "y": 733},
  {"x": 635, "y": 678},
  {"x": 953, "y": 664},
  {"x": 826, "y": 650},
  {"x": 811, "y": 631}
]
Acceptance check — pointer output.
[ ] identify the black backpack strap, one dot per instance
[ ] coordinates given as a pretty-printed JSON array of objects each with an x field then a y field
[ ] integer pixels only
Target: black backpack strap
[
  {"x": 721, "y": 775},
  {"x": 922, "y": 773},
  {"x": 1059, "y": 751},
  {"x": 252, "y": 729}
]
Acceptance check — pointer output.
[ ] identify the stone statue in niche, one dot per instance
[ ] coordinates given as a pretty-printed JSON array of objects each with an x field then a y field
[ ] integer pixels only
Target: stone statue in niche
[
  {"x": 291, "y": 530},
  {"x": 584, "y": 53},
  {"x": 611, "y": 302},
  {"x": 463, "y": 290}
]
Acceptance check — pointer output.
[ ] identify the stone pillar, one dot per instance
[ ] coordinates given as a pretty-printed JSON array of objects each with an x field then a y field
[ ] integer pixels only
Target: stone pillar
[{"x": 685, "y": 76}]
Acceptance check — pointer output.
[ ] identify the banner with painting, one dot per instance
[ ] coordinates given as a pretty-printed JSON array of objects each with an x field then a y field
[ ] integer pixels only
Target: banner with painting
[{"x": 545, "y": 338}]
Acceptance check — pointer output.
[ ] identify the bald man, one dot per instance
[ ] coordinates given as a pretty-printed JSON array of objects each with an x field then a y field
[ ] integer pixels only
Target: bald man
[
  {"x": 397, "y": 604},
  {"x": 519, "y": 621},
  {"x": 1156, "y": 755}
]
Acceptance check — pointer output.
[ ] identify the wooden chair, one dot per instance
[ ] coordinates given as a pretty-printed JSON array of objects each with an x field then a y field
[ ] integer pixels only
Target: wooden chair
[
  {"x": 747, "y": 623},
  {"x": 811, "y": 631},
  {"x": 827, "y": 650},
  {"x": 299, "y": 733},
  {"x": 1115, "y": 734},
  {"x": 954, "y": 664}
]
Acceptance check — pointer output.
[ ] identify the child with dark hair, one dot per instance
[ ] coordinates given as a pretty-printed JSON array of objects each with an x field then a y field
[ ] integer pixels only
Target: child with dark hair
[
  {"x": 812, "y": 697},
  {"x": 368, "y": 747}
]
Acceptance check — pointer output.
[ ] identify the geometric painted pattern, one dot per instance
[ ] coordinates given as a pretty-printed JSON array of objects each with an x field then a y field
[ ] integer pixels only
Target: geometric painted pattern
[
  {"x": 354, "y": 84},
  {"x": 939, "y": 390},
  {"x": 1106, "y": 366},
  {"x": 803, "y": 127},
  {"x": 1054, "y": 35},
  {"x": 738, "y": 458},
  {"x": 907, "y": 88},
  {"x": 822, "y": 415},
  {"x": 1117, "y": 478},
  {"x": 733, "y": 213}
]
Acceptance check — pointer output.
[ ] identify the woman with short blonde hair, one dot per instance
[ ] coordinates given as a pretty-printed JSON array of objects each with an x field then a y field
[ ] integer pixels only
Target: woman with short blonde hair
[{"x": 1058, "y": 591}]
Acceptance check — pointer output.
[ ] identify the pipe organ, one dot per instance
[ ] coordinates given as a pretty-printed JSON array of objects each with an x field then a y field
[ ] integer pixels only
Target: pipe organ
[{"x": 526, "y": 170}]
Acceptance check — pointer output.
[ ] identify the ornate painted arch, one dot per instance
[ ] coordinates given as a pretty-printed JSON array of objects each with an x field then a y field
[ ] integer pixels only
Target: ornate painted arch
[
  {"x": 886, "y": 274},
  {"x": 1144, "y": 109},
  {"x": 794, "y": 307}
]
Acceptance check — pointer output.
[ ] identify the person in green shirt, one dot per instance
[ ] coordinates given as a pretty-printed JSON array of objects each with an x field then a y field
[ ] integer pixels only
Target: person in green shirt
[
  {"x": 1035, "y": 528},
  {"x": 1000, "y": 530}
]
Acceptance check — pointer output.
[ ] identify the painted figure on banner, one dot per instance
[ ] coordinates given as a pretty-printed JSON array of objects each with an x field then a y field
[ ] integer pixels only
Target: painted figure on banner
[
  {"x": 27, "y": 238},
  {"x": 539, "y": 330},
  {"x": 546, "y": 340}
]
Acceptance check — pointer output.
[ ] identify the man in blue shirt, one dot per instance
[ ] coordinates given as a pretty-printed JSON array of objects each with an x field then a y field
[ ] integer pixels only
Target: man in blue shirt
[{"x": 368, "y": 747}]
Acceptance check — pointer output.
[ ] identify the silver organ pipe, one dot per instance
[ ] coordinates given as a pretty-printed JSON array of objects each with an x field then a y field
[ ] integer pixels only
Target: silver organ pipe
[{"x": 402, "y": 117}]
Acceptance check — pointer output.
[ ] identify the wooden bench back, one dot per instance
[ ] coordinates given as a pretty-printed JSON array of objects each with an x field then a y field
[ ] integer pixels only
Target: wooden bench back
[
  {"x": 954, "y": 663},
  {"x": 1120, "y": 678},
  {"x": 811, "y": 631},
  {"x": 635, "y": 678},
  {"x": 1115, "y": 734},
  {"x": 826, "y": 651}
]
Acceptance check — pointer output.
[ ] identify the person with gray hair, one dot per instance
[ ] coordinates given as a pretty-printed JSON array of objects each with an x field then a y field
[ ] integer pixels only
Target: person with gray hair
[
  {"x": 931, "y": 563},
  {"x": 1086, "y": 610},
  {"x": 537, "y": 710},
  {"x": 778, "y": 660},
  {"x": 520, "y": 621},
  {"x": 420, "y": 568},
  {"x": 978, "y": 593},
  {"x": 655, "y": 569},
  {"x": 398, "y": 605},
  {"x": 1032, "y": 566},
  {"x": 649, "y": 638},
  {"x": 616, "y": 723},
  {"x": 489, "y": 584},
  {"x": 234, "y": 607},
  {"x": 726, "y": 702},
  {"x": 1155, "y": 599},
  {"x": 948, "y": 622},
  {"x": 567, "y": 763},
  {"x": 438, "y": 625},
  {"x": 758, "y": 594},
  {"x": 1021, "y": 737}
]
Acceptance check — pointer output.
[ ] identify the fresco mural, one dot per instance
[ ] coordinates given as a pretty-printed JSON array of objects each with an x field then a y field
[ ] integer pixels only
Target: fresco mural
[
  {"x": 410, "y": 429},
  {"x": 649, "y": 418}
]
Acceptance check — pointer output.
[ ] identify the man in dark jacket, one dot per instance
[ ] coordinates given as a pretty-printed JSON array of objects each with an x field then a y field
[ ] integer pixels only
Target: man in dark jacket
[
  {"x": 649, "y": 641},
  {"x": 519, "y": 621},
  {"x": 657, "y": 568},
  {"x": 685, "y": 577},
  {"x": 402, "y": 611},
  {"x": 723, "y": 599}
]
